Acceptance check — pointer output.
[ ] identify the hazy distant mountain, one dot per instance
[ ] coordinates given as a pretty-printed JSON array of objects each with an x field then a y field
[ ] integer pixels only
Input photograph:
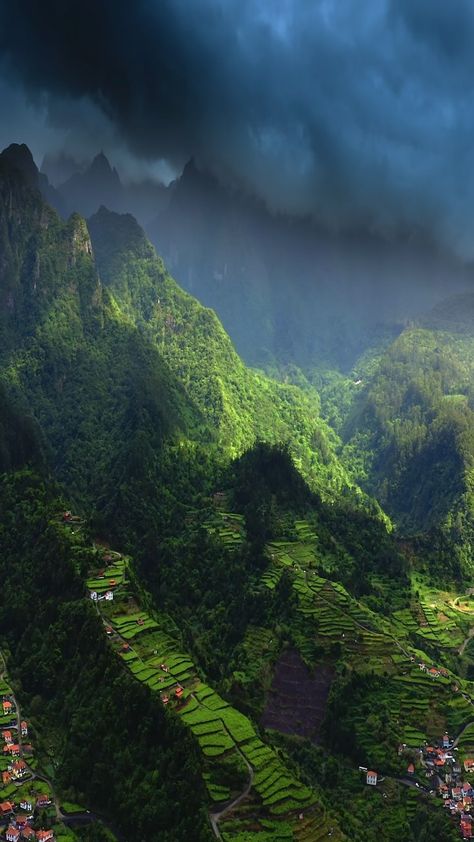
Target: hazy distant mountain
[
  {"x": 85, "y": 189},
  {"x": 59, "y": 167},
  {"x": 288, "y": 290}
]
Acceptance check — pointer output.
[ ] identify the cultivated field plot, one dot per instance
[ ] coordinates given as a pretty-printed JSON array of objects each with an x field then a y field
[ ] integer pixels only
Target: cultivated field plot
[
  {"x": 433, "y": 616},
  {"x": 296, "y": 701},
  {"x": 228, "y": 527},
  {"x": 109, "y": 576},
  {"x": 153, "y": 657}
]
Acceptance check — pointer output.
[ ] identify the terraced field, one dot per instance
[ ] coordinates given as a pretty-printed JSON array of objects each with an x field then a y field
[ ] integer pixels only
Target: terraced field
[
  {"x": 275, "y": 796},
  {"x": 111, "y": 572},
  {"x": 419, "y": 704},
  {"x": 228, "y": 527}
]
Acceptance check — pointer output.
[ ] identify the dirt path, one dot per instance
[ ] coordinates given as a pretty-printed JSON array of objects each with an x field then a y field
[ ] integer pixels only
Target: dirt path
[
  {"x": 216, "y": 817},
  {"x": 466, "y": 641}
]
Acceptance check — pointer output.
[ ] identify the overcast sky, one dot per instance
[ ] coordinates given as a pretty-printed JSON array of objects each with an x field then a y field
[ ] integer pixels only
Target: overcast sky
[{"x": 360, "y": 111}]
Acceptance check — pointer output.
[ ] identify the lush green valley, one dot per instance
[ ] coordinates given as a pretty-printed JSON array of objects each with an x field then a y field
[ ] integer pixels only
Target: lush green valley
[{"x": 260, "y": 635}]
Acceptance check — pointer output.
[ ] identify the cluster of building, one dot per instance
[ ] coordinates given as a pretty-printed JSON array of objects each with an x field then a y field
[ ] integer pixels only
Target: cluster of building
[
  {"x": 18, "y": 818},
  {"x": 433, "y": 672},
  {"x": 19, "y": 824},
  {"x": 446, "y": 777}
]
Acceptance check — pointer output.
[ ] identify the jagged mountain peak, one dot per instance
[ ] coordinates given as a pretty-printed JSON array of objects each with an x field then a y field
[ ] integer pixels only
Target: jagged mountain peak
[
  {"x": 18, "y": 157},
  {"x": 101, "y": 168}
]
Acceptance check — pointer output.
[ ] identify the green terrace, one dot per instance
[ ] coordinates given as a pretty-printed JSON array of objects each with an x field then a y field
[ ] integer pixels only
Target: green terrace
[
  {"x": 224, "y": 734},
  {"x": 421, "y": 698},
  {"x": 228, "y": 527},
  {"x": 107, "y": 576}
]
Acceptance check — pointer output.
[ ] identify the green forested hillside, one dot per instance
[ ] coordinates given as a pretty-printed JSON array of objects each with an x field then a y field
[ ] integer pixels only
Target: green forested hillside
[
  {"x": 110, "y": 744},
  {"x": 101, "y": 344},
  {"x": 252, "y": 550},
  {"x": 411, "y": 429}
]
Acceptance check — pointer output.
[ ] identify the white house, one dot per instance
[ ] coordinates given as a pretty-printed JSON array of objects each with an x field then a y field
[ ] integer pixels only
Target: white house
[
  {"x": 94, "y": 595},
  {"x": 26, "y": 805},
  {"x": 109, "y": 595}
]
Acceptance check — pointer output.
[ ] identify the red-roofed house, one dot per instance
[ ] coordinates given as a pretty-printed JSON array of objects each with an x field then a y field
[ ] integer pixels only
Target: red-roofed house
[
  {"x": 372, "y": 778},
  {"x": 6, "y": 807},
  {"x": 456, "y": 792},
  {"x": 12, "y": 834},
  {"x": 44, "y": 835},
  {"x": 469, "y": 764},
  {"x": 411, "y": 769},
  {"x": 6, "y": 778},
  {"x": 24, "y": 728},
  {"x": 21, "y": 821},
  {"x": 446, "y": 740},
  {"x": 178, "y": 692},
  {"x": 466, "y": 828},
  {"x": 7, "y": 706},
  {"x": 7, "y": 736},
  {"x": 466, "y": 788},
  {"x": 28, "y": 833},
  {"x": 12, "y": 748},
  {"x": 19, "y": 769},
  {"x": 43, "y": 801}
]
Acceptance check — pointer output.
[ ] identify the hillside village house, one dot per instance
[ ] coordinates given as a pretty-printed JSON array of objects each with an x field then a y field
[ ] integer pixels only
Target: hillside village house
[
  {"x": 7, "y": 706},
  {"x": 6, "y": 807},
  {"x": 19, "y": 769},
  {"x": 26, "y": 805},
  {"x": 28, "y": 833},
  {"x": 372, "y": 778},
  {"x": 21, "y": 821},
  {"x": 45, "y": 835},
  {"x": 12, "y": 834},
  {"x": 43, "y": 801},
  {"x": 24, "y": 728},
  {"x": 11, "y": 748},
  {"x": 7, "y": 736}
]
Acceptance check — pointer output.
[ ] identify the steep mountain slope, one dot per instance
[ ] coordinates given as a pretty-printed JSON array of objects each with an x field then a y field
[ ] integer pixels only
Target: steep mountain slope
[
  {"x": 129, "y": 349},
  {"x": 288, "y": 290},
  {"x": 143, "y": 404}
]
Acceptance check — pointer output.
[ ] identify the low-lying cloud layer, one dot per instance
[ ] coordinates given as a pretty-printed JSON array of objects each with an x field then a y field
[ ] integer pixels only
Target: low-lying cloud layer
[{"x": 358, "y": 112}]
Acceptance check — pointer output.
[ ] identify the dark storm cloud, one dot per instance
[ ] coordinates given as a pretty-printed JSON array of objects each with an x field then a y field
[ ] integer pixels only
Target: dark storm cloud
[{"x": 359, "y": 111}]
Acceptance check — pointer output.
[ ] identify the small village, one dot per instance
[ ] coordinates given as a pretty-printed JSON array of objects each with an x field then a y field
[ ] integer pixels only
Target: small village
[
  {"x": 438, "y": 763},
  {"x": 27, "y": 804}
]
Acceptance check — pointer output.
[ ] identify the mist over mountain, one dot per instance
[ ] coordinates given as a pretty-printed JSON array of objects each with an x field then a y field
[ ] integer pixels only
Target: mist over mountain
[
  {"x": 287, "y": 289},
  {"x": 84, "y": 188}
]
